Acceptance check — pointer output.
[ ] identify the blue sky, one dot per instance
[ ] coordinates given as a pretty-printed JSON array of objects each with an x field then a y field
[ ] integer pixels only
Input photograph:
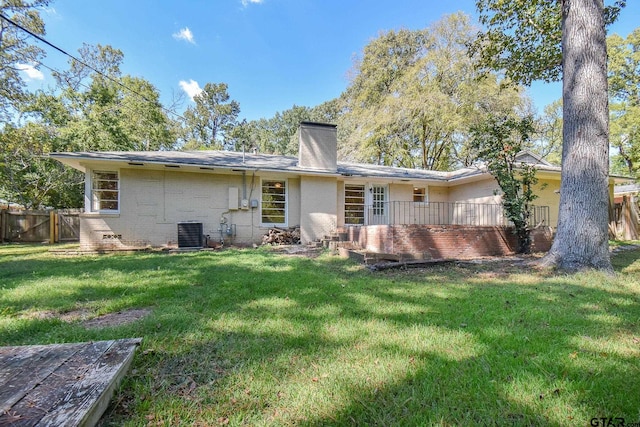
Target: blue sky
[{"x": 272, "y": 53}]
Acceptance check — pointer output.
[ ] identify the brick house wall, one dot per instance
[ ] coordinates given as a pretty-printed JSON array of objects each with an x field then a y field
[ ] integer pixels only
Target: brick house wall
[
  {"x": 153, "y": 202},
  {"x": 437, "y": 242}
]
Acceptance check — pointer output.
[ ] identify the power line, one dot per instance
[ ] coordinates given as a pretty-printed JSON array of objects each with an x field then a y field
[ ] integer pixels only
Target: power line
[{"x": 43, "y": 40}]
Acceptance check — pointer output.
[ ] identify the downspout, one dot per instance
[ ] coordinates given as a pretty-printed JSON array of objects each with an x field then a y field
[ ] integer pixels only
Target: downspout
[{"x": 253, "y": 177}]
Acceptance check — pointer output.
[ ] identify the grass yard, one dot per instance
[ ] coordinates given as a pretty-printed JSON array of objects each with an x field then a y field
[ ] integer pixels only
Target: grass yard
[{"x": 250, "y": 337}]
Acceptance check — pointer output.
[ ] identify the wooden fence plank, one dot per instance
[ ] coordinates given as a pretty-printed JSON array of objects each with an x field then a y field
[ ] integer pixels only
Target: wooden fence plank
[
  {"x": 40, "y": 226},
  {"x": 28, "y": 226},
  {"x": 3, "y": 225},
  {"x": 69, "y": 227},
  {"x": 52, "y": 227}
]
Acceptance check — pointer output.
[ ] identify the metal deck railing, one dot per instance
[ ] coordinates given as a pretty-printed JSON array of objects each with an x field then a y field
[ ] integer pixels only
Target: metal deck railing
[{"x": 439, "y": 213}]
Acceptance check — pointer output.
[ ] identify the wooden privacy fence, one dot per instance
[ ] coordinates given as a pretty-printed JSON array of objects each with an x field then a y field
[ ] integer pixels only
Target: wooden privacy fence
[
  {"x": 625, "y": 223},
  {"x": 50, "y": 226}
]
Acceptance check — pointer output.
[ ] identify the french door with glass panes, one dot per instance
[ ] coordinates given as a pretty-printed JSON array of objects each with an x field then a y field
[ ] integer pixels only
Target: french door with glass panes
[{"x": 378, "y": 205}]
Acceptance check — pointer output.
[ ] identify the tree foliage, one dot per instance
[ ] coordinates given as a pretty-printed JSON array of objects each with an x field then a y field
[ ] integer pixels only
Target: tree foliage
[
  {"x": 278, "y": 134},
  {"x": 624, "y": 105},
  {"x": 97, "y": 108},
  {"x": 208, "y": 123},
  {"x": 548, "y": 144},
  {"x": 25, "y": 176},
  {"x": 29, "y": 177},
  {"x": 524, "y": 37},
  {"x": 16, "y": 51},
  {"x": 414, "y": 95},
  {"x": 93, "y": 108},
  {"x": 624, "y": 93},
  {"x": 498, "y": 141}
]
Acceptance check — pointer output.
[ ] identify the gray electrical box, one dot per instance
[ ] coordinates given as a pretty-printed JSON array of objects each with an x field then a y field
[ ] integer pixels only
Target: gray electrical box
[
  {"x": 233, "y": 198},
  {"x": 254, "y": 203}
]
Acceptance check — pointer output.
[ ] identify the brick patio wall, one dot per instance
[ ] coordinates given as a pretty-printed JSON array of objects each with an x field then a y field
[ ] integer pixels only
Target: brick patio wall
[{"x": 436, "y": 242}]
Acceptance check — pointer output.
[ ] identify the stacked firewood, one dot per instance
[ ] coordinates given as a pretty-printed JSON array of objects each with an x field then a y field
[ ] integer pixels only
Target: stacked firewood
[{"x": 280, "y": 236}]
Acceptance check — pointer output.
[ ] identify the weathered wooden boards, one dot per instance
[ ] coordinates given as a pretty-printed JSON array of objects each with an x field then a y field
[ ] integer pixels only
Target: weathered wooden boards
[{"x": 61, "y": 384}]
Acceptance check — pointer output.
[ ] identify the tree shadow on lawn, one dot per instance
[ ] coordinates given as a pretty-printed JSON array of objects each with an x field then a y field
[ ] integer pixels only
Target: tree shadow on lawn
[
  {"x": 97, "y": 285},
  {"x": 623, "y": 261},
  {"x": 261, "y": 339},
  {"x": 508, "y": 353},
  {"x": 192, "y": 284},
  {"x": 546, "y": 355}
]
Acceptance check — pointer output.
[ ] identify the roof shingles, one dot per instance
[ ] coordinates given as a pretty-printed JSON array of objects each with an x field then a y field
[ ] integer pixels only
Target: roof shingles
[{"x": 269, "y": 162}]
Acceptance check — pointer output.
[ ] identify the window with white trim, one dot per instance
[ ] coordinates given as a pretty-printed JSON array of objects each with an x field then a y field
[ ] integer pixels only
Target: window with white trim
[
  {"x": 420, "y": 195},
  {"x": 105, "y": 191},
  {"x": 354, "y": 204},
  {"x": 274, "y": 202}
]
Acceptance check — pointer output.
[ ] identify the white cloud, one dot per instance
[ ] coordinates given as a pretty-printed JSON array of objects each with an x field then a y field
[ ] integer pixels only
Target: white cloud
[
  {"x": 51, "y": 11},
  {"x": 185, "y": 34},
  {"x": 191, "y": 88},
  {"x": 30, "y": 71},
  {"x": 246, "y": 3}
]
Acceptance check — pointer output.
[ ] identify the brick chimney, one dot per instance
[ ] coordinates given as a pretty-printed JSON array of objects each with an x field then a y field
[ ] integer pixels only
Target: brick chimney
[{"x": 318, "y": 146}]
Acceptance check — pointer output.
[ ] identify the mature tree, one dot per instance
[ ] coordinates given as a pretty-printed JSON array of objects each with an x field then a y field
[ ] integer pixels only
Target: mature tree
[
  {"x": 251, "y": 135},
  {"x": 376, "y": 73},
  {"x": 414, "y": 95},
  {"x": 284, "y": 126},
  {"x": 546, "y": 39},
  {"x": 145, "y": 121},
  {"x": 210, "y": 119},
  {"x": 624, "y": 107},
  {"x": 28, "y": 176},
  {"x": 624, "y": 91},
  {"x": 97, "y": 108},
  {"x": 16, "y": 51},
  {"x": 25, "y": 177},
  {"x": 498, "y": 141}
]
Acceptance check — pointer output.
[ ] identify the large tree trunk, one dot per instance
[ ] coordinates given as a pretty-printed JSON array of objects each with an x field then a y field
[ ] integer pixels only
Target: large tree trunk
[{"x": 581, "y": 240}]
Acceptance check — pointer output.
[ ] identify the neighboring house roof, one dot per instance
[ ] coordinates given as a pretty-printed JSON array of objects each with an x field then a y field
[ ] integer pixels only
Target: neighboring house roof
[
  {"x": 527, "y": 156},
  {"x": 537, "y": 161},
  {"x": 5, "y": 204},
  {"x": 626, "y": 189}
]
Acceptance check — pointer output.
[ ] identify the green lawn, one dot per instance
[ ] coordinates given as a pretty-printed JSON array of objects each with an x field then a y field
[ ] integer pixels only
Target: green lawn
[{"x": 249, "y": 337}]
